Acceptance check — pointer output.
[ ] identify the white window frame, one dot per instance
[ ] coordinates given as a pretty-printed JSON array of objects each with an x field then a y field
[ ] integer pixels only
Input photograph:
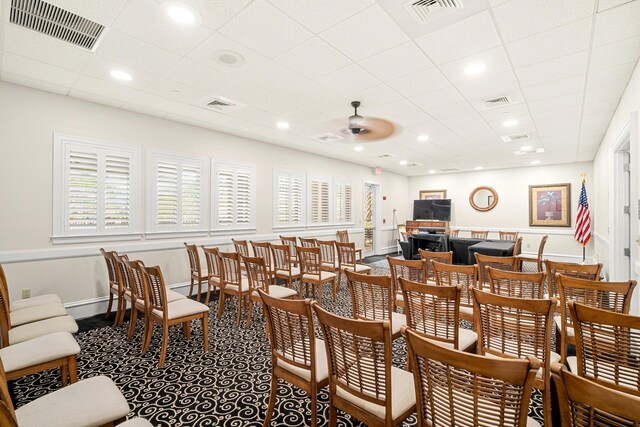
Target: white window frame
[
  {"x": 180, "y": 159},
  {"x": 222, "y": 228},
  {"x": 329, "y": 181},
  {"x": 277, "y": 173},
  {"x": 61, "y": 232},
  {"x": 337, "y": 182}
]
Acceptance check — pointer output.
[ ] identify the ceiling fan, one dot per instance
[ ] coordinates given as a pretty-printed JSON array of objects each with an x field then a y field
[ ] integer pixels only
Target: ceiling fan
[{"x": 364, "y": 129}]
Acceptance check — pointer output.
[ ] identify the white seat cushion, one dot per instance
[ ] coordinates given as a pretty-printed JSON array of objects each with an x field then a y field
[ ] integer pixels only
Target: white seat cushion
[
  {"x": 466, "y": 338},
  {"x": 322, "y": 369},
  {"x": 182, "y": 308},
  {"x": 244, "y": 285},
  {"x": 398, "y": 320},
  {"x": 40, "y": 312},
  {"x": 33, "y": 301},
  {"x": 278, "y": 292},
  {"x": 174, "y": 296},
  {"x": 466, "y": 310},
  {"x": 136, "y": 422},
  {"x": 572, "y": 361},
  {"x": 91, "y": 402},
  {"x": 38, "y": 350},
  {"x": 42, "y": 327},
  {"x": 403, "y": 395},
  {"x": 324, "y": 276},
  {"x": 295, "y": 271},
  {"x": 530, "y": 422},
  {"x": 333, "y": 265},
  {"x": 360, "y": 268},
  {"x": 570, "y": 331}
]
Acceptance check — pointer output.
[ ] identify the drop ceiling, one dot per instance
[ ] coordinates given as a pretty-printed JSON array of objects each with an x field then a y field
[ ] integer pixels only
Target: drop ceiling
[{"x": 563, "y": 64}]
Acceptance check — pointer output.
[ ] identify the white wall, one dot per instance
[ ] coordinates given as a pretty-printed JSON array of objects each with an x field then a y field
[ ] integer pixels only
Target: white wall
[
  {"x": 30, "y": 117},
  {"x": 512, "y": 210}
]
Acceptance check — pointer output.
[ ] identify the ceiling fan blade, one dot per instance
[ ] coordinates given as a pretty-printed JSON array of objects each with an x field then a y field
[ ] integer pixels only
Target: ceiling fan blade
[{"x": 376, "y": 129}]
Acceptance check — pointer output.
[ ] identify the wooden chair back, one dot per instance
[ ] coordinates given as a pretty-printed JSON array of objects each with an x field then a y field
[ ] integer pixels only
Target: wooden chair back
[
  {"x": 581, "y": 271},
  {"x": 112, "y": 270},
  {"x": 607, "y": 347},
  {"x": 241, "y": 246},
  {"x": 308, "y": 243},
  {"x": 443, "y": 257},
  {"x": 6, "y": 416},
  {"x": 432, "y": 310},
  {"x": 454, "y": 275},
  {"x": 541, "y": 246},
  {"x": 454, "y": 233},
  {"x": 263, "y": 250},
  {"x": 517, "y": 247},
  {"x": 291, "y": 242},
  {"x": 585, "y": 403},
  {"x": 194, "y": 260},
  {"x": 516, "y": 284},
  {"x": 257, "y": 273},
  {"x": 136, "y": 280},
  {"x": 458, "y": 388},
  {"x": 346, "y": 254},
  {"x": 154, "y": 285},
  {"x": 371, "y": 296},
  {"x": 212, "y": 257},
  {"x": 122, "y": 273},
  {"x": 508, "y": 235},
  {"x": 507, "y": 263},
  {"x": 230, "y": 272},
  {"x": 475, "y": 234},
  {"x": 5, "y": 399},
  {"x": 359, "y": 357},
  {"x": 327, "y": 252},
  {"x": 281, "y": 257},
  {"x": 414, "y": 269},
  {"x": 5, "y": 316},
  {"x": 310, "y": 261},
  {"x": 534, "y": 265},
  {"x": 342, "y": 236}
]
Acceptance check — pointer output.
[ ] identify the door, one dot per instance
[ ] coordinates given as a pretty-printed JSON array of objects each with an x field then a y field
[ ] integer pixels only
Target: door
[{"x": 370, "y": 200}]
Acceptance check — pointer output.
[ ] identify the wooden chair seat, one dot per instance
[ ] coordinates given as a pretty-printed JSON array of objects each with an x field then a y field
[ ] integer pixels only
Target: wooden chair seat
[
  {"x": 34, "y": 314},
  {"x": 277, "y": 291},
  {"x": 467, "y": 339},
  {"x": 324, "y": 276},
  {"x": 358, "y": 268},
  {"x": 553, "y": 358},
  {"x": 294, "y": 273},
  {"x": 322, "y": 369},
  {"x": 398, "y": 320},
  {"x": 43, "y": 327},
  {"x": 244, "y": 285},
  {"x": 35, "y": 301},
  {"x": 182, "y": 308}
]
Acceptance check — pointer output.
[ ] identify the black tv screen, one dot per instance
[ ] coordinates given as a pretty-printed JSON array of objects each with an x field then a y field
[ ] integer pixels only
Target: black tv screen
[{"x": 434, "y": 209}]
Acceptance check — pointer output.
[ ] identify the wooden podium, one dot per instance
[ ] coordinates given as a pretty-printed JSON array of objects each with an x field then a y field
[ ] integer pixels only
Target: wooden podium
[{"x": 414, "y": 226}]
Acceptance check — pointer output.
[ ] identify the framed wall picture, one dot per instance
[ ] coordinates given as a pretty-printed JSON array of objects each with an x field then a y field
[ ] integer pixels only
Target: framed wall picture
[
  {"x": 433, "y": 194},
  {"x": 550, "y": 205}
]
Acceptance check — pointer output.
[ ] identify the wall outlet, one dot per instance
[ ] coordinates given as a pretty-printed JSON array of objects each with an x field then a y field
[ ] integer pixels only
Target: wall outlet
[{"x": 26, "y": 293}]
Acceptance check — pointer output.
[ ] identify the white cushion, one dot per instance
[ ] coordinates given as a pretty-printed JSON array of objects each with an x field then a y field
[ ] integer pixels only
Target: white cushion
[
  {"x": 403, "y": 395},
  {"x": 466, "y": 310},
  {"x": 324, "y": 276},
  {"x": 360, "y": 268},
  {"x": 42, "y": 327},
  {"x": 532, "y": 423},
  {"x": 244, "y": 285},
  {"x": 572, "y": 361},
  {"x": 398, "y": 320},
  {"x": 182, "y": 308},
  {"x": 136, "y": 422},
  {"x": 278, "y": 292},
  {"x": 38, "y": 350},
  {"x": 570, "y": 331},
  {"x": 174, "y": 296},
  {"x": 295, "y": 271},
  {"x": 333, "y": 265},
  {"x": 322, "y": 369},
  {"x": 33, "y": 301},
  {"x": 91, "y": 402},
  {"x": 40, "y": 312},
  {"x": 466, "y": 338}
]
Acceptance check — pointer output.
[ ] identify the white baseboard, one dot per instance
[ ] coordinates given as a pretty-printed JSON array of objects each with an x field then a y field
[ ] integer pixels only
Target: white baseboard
[{"x": 388, "y": 249}]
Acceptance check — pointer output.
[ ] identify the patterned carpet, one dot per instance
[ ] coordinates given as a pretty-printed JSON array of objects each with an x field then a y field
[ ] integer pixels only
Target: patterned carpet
[{"x": 228, "y": 386}]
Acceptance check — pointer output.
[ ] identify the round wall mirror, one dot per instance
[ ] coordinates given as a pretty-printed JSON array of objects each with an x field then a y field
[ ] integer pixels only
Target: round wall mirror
[{"x": 483, "y": 199}]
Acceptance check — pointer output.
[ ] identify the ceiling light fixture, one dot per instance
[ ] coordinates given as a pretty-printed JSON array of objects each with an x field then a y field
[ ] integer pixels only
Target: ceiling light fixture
[
  {"x": 403, "y": 162},
  {"x": 509, "y": 123},
  {"x": 358, "y": 148},
  {"x": 282, "y": 125},
  {"x": 478, "y": 168},
  {"x": 526, "y": 148},
  {"x": 540, "y": 150},
  {"x": 432, "y": 171},
  {"x": 120, "y": 75},
  {"x": 181, "y": 13},
  {"x": 229, "y": 58},
  {"x": 535, "y": 162},
  {"x": 474, "y": 69},
  {"x": 423, "y": 138}
]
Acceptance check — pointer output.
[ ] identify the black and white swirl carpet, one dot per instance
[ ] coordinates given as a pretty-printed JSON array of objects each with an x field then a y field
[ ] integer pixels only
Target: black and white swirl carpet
[{"x": 228, "y": 386}]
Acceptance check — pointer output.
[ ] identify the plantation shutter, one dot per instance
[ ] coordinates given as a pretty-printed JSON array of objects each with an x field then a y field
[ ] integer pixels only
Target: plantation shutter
[
  {"x": 234, "y": 204},
  {"x": 319, "y": 194},
  {"x": 167, "y": 194},
  {"x": 191, "y": 196},
  {"x": 288, "y": 198},
  {"x": 82, "y": 191},
  {"x": 343, "y": 203}
]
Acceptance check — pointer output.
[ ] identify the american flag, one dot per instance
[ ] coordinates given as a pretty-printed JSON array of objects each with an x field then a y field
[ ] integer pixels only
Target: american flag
[{"x": 583, "y": 221}]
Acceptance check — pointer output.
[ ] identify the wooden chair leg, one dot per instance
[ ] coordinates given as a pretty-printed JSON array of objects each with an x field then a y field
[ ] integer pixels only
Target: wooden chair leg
[
  {"x": 148, "y": 334},
  {"x": 248, "y": 322},
  {"x": 108, "y": 313},
  {"x": 165, "y": 339},
  {"x": 333, "y": 415},
  {"x": 205, "y": 331},
  {"x": 191, "y": 287},
  {"x": 319, "y": 293},
  {"x": 546, "y": 405},
  {"x": 206, "y": 300},
  {"x": 334, "y": 285},
  {"x": 186, "y": 329},
  {"x": 240, "y": 302},
  {"x": 132, "y": 321},
  {"x": 64, "y": 375},
  {"x": 119, "y": 312},
  {"x": 221, "y": 304},
  {"x": 272, "y": 400},
  {"x": 72, "y": 363},
  {"x": 314, "y": 404},
  {"x": 199, "y": 290}
]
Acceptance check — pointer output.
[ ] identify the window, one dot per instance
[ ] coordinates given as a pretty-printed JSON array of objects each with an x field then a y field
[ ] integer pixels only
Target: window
[
  {"x": 343, "y": 203},
  {"x": 234, "y": 196},
  {"x": 178, "y": 191},
  {"x": 96, "y": 189},
  {"x": 319, "y": 201},
  {"x": 288, "y": 190}
]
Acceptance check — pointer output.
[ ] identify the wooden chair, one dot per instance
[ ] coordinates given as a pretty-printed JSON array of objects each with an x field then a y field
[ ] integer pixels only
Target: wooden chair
[
  {"x": 607, "y": 347},
  {"x": 581, "y": 271},
  {"x": 166, "y": 314},
  {"x": 454, "y": 233},
  {"x": 371, "y": 299},
  {"x": 347, "y": 260},
  {"x": 454, "y": 275},
  {"x": 479, "y": 234},
  {"x": 328, "y": 256},
  {"x": 506, "y": 263},
  {"x": 241, "y": 246},
  {"x": 443, "y": 257},
  {"x": 362, "y": 380},
  {"x": 518, "y": 327},
  {"x": 434, "y": 312},
  {"x": 415, "y": 270},
  {"x": 308, "y": 243},
  {"x": 297, "y": 356},
  {"x": 198, "y": 275},
  {"x": 259, "y": 278},
  {"x": 114, "y": 285},
  {"x": 263, "y": 250},
  {"x": 343, "y": 237},
  {"x": 585, "y": 403},
  {"x": 283, "y": 265},
  {"x": 610, "y": 296},
  {"x": 517, "y": 247},
  {"x": 125, "y": 287},
  {"x": 232, "y": 282},
  {"x": 533, "y": 265},
  {"x": 457, "y": 388},
  {"x": 516, "y": 284},
  {"x": 291, "y": 243},
  {"x": 212, "y": 257},
  {"x": 313, "y": 274},
  {"x": 508, "y": 235}
]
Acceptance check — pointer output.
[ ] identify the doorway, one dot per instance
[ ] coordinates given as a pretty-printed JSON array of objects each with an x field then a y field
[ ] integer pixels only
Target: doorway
[{"x": 370, "y": 223}]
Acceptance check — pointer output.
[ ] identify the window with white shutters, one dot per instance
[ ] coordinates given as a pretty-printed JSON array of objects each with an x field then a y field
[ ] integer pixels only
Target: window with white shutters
[
  {"x": 178, "y": 190},
  {"x": 319, "y": 201},
  {"x": 288, "y": 200},
  {"x": 96, "y": 188},
  {"x": 343, "y": 191},
  {"x": 234, "y": 197}
]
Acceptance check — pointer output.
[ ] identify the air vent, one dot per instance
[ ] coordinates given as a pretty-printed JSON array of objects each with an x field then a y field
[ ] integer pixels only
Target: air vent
[
  {"x": 426, "y": 10},
  {"x": 413, "y": 164},
  {"x": 513, "y": 138},
  {"x": 55, "y": 22},
  {"x": 222, "y": 105},
  {"x": 327, "y": 137},
  {"x": 497, "y": 102},
  {"x": 385, "y": 156},
  {"x": 450, "y": 170}
]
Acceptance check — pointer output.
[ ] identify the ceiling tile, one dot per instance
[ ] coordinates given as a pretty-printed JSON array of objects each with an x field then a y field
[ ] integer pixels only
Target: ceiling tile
[
  {"x": 19, "y": 79},
  {"x": 607, "y": 76},
  {"x": 205, "y": 54},
  {"x": 453, "y": 110},
  {"x": 617, "y": 24},
  {"x": 29, "y": 68},
  {"x": 418, "y": 83},
  {"x": 394, "y": 109},
  {"x": 608, "y": 106},
  {"x": 313, "y": 58},
  {"x": 217, "y": 12},
  {"x": 397, "y": 62},
  {"x": 557, "y": 102},
  {"x": 358, "y": 39},
  {"x": 320, "y": 15},
  {"x": 438, "y": 98},
  {"x": 521, "y": 18},
  {"x": 377, "y": 95},
  {"x": 495, "y": 59},
  {"x": 97, "y": 99},
  {"x": 555, "y": 88},
  {"x": 555, "y": 43},
  {"x": 104, "y": 89},
  {"x": 266, "y": 29},
  {"x": 554, "y": 69},
  {"x": 308, "y": 116},
  {"x": 487, "y": 87},
  {"x": 156, "y": 103},
  {"x": 143, "y": 109},
  {"x": 102, "y": 12},
  {"x": 604, "y": 93},
  {"x": 352, "y": 78},
  {"x": 615, "y": 53},
  {"x": 460, "y": 39}
]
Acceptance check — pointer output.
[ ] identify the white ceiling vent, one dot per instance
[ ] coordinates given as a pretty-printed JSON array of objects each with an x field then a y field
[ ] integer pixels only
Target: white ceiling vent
[
  {"x": 55, "y": 22},
  {"x": 497, "y": 102},
  {"x": 424, "y": 11},
  {"x": 222, "y": 105},
  {"x": 327, "y": 137},
  {"x": 413, "y": 164},
  {"x": 385, "y": 156},
  {"x": 514, "y": 138},
  {"x": 450, "y": 170}
]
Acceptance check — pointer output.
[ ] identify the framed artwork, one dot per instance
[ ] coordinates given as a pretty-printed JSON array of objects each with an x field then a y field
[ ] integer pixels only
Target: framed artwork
[
  {"x": 550, "y": 205},
  {"x": 433, "y": 194}
]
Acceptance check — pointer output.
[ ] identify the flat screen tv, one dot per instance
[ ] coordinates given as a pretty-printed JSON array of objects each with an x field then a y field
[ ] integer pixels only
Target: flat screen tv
[{"x": 434, "y": 209}]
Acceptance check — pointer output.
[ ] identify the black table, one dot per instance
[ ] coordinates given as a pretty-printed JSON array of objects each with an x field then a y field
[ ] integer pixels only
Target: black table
[
  {"x": 430, "y": 241},
  {"x": 460, "y": 247},
  {"x": 492, "y": 248}
]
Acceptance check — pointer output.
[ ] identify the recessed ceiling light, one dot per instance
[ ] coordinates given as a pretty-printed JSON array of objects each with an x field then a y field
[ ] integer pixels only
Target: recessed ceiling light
[
  {"x": 432, "y": 171},
  {"x": 478, "y": 168},
  {"x": 423, "y": 138},
  {"x": 526, "y": 148},
  {"x": 229, "y": 58},
  {"x": 540, "y": 150},
  {"x": 120, "y": 75},
  {"x": 474, "y": 69},
  {"x": 403, "y": 162},
  {"x": 509, "y": 123},
  {"x": 180, "y": 13},
  {"x": 358, "y": 148},
  {"x": 282, "y": 125},
  {"x": 535, "y": 162}
]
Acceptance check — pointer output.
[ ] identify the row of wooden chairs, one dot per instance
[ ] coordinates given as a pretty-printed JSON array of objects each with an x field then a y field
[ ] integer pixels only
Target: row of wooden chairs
[{"x": 484, "y": 234}]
